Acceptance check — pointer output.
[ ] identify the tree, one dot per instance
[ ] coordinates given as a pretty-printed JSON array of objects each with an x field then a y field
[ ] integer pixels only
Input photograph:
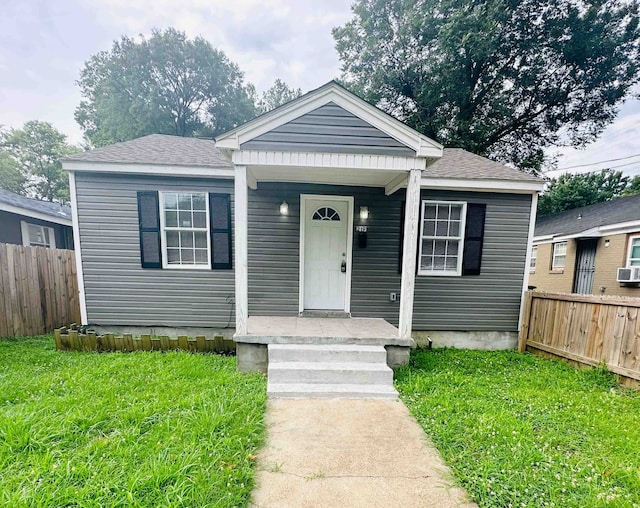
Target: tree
[
  {"x": 166, "y": 84},
  {"x": 501, "y": 78},
  {"x": 31, "y": 156},
  {"x": 572, "y": 191},
  {"x": 634, "y": 187},
  {"x": 11, "y": 177},
  {"x": 277, "y": 95}
]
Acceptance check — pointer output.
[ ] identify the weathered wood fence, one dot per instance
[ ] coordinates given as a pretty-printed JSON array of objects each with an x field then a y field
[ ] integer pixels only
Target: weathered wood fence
[
  {"x": 71, "y": 339},
  {"x": 38, "y": 290},
  {"x": 584, "y": 328}
]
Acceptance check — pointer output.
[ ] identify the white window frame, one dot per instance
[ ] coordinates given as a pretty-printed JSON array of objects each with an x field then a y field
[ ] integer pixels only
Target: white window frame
[
  {"x": 553, "y": 256},
  {"x": 629, "y": 249},
  {"x": 533, "y": 259},
  {"x": 164, "y": 229},
  {"x": 463, "y": 219},
  {"x": 26, "y": 237}
]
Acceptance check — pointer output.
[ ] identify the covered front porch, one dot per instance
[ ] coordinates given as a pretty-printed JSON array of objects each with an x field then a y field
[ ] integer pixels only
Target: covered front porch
[{"x": 262, "y": 331}]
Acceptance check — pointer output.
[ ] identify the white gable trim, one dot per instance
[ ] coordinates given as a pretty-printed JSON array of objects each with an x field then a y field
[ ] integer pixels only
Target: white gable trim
[{"x": 424, "y": 146}]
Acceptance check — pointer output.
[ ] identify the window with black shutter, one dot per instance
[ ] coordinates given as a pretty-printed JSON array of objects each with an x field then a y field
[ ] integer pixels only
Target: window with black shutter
[
  {"x": 442, "y": 250},
  {"x": 181, "y": 230}
]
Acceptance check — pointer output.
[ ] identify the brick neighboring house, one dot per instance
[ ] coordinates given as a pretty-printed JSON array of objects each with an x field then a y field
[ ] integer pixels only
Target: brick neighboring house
[{"x": 580, "y": 250}]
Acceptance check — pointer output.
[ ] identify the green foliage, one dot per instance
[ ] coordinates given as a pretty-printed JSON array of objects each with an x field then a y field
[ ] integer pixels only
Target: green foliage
[
  {"x": 500, "y": 78},
  {"x": 519, "y": 430},
  {"x": 138, "y": 429},
  {"x": 166, "y": 84},
  {"x": 11, "y": 178},
  {"x": 574, "y": 190},
  {"x": 633, "y": 188},
  {"x": 30, "y": 161},
  {"x": 278, "y": 94}
]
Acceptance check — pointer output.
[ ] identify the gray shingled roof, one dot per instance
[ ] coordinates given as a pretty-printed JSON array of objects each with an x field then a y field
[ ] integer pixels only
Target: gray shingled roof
[
  {"x": 588, "y": 217},
  {"x": 458, "y": 163},
  {"x": 161, "y": 149},
  {"x": 158, "y": 149},
  {"x": 55, "y": 210}
]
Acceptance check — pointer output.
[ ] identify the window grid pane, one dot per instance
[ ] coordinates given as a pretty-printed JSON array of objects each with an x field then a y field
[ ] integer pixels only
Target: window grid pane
[
  {"x": 634, "y": 252},
  {"x": 185, "y": 229},
  {"x": 559, "y": 255},
  {"x": 442, "y": 231}
]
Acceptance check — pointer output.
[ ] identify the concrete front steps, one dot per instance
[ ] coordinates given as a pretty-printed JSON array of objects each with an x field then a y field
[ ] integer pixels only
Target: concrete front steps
[{"x": 329, "y": 371}]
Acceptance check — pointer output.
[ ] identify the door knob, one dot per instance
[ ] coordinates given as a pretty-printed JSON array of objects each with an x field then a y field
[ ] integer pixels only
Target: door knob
[{"x": 343, "y": 267}]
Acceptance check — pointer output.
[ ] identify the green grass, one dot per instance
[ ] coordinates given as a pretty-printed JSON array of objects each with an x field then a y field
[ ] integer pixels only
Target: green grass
[
  {"x": 138, "y": 429},
  {"x": 519, "y": 430}
]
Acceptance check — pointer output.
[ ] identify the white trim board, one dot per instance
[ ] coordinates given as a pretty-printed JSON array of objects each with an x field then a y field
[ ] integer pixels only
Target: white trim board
[
  {"x": 331, "y": 92},
  {"x": 597, "y": 232},
  {"x": 482, "y": 185},
  {"x": 77, "y": 247},
  {"x": 5, "y": 207},
  {"x": 288, "y": 159},
  {"x": 148, "y": 169},
  {"x": 303, "y": 211},
  {"x": 527, "y": 259}
]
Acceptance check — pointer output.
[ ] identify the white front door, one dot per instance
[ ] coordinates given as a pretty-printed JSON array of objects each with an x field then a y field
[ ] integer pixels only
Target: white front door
[{"x": 326, "y": 254}]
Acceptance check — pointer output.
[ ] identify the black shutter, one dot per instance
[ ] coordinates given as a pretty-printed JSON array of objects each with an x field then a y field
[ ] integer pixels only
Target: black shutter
[
  {"x": 149, "y": 228},
  {"x": 220, "y": 213},
  {"x": 474, "y": 237}
]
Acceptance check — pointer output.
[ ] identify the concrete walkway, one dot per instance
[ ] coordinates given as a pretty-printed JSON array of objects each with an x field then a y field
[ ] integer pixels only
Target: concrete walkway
[{"x": 349, "y": 453}]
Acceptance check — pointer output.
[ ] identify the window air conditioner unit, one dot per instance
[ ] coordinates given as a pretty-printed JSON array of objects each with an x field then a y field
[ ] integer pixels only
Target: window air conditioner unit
[{"x": 631, "y": 274}]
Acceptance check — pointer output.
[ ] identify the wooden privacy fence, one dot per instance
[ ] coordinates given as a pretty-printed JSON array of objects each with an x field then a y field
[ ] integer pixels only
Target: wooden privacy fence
[
  {"x": 584, "y": 328},
  {"x": 38, "y": 290},
  {"x": 70, "y": 339}
]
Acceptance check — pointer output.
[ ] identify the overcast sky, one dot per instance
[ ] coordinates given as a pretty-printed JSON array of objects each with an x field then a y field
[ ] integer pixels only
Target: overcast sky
[{"x": 44, "y": 44}]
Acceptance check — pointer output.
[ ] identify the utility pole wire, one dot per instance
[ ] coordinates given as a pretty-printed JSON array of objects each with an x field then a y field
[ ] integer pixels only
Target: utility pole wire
[{"x": 599, "y": 162}]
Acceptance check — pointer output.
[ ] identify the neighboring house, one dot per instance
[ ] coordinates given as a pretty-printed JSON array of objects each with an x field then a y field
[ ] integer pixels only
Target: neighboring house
[
  {"x": 589, "y": 250},
  {"x": 27, "y": 221},
  {"x": 323, "y": 206}
]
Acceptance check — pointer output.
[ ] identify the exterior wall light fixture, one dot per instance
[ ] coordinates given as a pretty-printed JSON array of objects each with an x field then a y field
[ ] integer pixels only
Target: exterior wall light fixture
[
  {"x": 364, "y": 212},
  {"x": 284, "y": 208}
]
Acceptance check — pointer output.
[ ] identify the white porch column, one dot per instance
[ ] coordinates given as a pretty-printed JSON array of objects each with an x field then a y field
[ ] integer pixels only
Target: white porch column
[
  {"x": 409, "y": 252},
  {"x": 241, "y": 247}
]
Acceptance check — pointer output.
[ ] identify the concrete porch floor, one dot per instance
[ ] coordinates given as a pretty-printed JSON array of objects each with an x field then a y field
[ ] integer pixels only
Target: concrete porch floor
[
  {"x": 252, "y": 348},
  {"x": 305, "y": 330}
]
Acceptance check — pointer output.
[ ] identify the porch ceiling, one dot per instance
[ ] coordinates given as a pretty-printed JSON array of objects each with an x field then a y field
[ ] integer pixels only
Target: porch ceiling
[{"x": 334, "y": 176}]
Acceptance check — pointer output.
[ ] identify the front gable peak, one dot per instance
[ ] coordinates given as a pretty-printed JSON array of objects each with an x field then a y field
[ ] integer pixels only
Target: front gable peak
[{"x": 330, "y": 118}]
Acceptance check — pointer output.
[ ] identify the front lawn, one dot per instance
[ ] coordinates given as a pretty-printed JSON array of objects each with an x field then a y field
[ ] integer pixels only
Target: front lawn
[
  {"x": 138, "y": 429},
  {"x": 519, "y": 430}
]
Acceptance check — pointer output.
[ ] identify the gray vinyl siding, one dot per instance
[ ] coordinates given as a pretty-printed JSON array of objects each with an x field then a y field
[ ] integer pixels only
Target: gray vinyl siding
[
  {"x": 274, "y": 244},
  {"x": 329, "y": 128},
  {"x": 118, "y": 290},
  {"x": 11, "y": 231},
  {"x": 489, "y": 301}
]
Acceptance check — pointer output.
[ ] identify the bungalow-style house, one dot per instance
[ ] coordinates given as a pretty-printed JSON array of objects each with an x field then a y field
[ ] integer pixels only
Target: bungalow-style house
[
  {"x": 32, "y": 222},
  {"x": 324, "y": 221},
  {"x": 590, "y": 250}
]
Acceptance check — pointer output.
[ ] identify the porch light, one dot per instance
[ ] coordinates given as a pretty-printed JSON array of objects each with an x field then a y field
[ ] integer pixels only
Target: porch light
[
  {"x": 364, "y": 212},
  {"x": 284, "y": 208}
]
